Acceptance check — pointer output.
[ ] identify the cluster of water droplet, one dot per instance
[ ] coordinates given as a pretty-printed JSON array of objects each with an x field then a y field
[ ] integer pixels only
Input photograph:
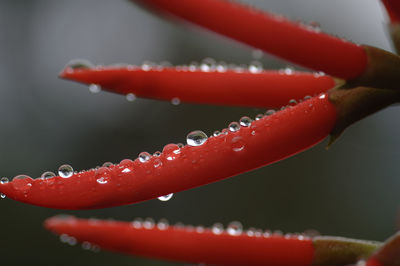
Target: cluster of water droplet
[
  {"x": 70, "y": 240},
  {"x": 234, "y": 228}
]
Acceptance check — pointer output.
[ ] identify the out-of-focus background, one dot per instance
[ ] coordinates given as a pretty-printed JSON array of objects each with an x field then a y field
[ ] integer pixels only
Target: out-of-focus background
[{"x": 351, "y": 190}]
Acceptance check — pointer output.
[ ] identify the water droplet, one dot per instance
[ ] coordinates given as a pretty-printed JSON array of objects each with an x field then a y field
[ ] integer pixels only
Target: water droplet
[
  {"x": 157, "y": 163},
  {"x": 221, "y": 67},
  {"x": 171, "y": 151},
  {"x": 217, "y": 228},
  {"x": 245, "y": 121},
  {"x": 315, "y": 26},
  {"x": 47, "y": 175},
  {"x": 137, "y": 223},
  {"x": 255, "y": 67},
  {"x": 86, "y": 245},
  {"x": 130, "y": 97},
  {"x": 79, "y": 63},
  {"x": 288, "y": 70},
  {"x": 2, "y": 195},
  {"x": 163, "y": 224},
  {"x": 259, "y": 116},
  {"x": 269, "y": 112},
  {"x": 307, "y": 97},
  {"x": 196, "y": 138},
  {"x": 199, "y": 229},
  {"x": 166, "y": 197},
  {"x": 322, "y": 96},
  {"x": 216, "y": 133},
  {"x": 193, "y": 66},
  {"x": 234, "y": 126},
  {"x": 234, "y": 228},
  {"x": 147, "y": 65},
  {"x": 157, "y": 154},
  {"x": 65, "y": 171},
  {"x": 148, "y": 223},
  {"x": 175, "y": 101},
  {"x": 207, "y": 65},
  {"x": 237, "y": 144},
  {"x": 107, "y": 164},
  {"x": 144, "y": 157},
  {"x": 292, "y": 102},
  {"x": 103, "y": 175},
  {"x": 94, "y": 88},
  {"x": 267, "y": 233},
  {"x": 4, "y": 180},
  {"x": 251, "y": 231},
  {"x": 22, "y": 183},
  {"x": 180, "y": 145}
]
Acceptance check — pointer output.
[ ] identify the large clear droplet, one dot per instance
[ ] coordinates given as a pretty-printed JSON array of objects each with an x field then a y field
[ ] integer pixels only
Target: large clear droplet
[
  {"x": 130, "y": 97},
  {"x": 47, "y": 175},
  {"x": 144, "y": 157},
  {"x": 234, "y": 228},
  {"x": 196, "y": 138},
  {"x": 166, "y": 197},
  {"x": 65, "y": 171},
  {"x": 2, "y": 195},
  {"x": 217, "y": 228},
  {"x": 4, "y": 180},
  {"x": 22, "y": 183},
  {"x": 94, "y": 88},
  {"x": 234, "y": 126},
  {"x": 171, "y": 151},
  {"x": 245, "y": 121}
]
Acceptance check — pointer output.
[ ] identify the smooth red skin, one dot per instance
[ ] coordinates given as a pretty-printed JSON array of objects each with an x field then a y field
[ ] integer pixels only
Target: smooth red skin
[
  {"x": 187, "y": 246},
  {"x": 276, "y": 137},
  {"x": 373, "y": 262},
  {"x": 271, "y": 33},
  {"x": 393, "y": 9},
  {"x": 267, "y": 89}
]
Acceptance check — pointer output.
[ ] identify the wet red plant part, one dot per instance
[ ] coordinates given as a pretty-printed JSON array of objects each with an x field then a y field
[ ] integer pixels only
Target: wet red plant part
[{"x": 242, "y": 146}]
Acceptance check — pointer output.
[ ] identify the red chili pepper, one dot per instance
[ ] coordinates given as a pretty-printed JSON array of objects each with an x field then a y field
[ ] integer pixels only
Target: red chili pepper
[
  {"x": 300, "y": 44},
  {"x": 271, "y": 89},
  {"x": 238, "y": 149}
]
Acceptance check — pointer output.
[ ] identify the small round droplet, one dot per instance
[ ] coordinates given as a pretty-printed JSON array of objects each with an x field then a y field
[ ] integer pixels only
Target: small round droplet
[
  {"x": 107, "y": 164},
  {"x": 199, "y": 229},
  {"x": 86, "y": 245},
  {"x": 157, "y": 154},
  {"x": 307, "y": 97},
  {"x": 269, "y": 112},
  {"x": 22, "y": 183},
  {"x": 4, "y": 180},
  {"x": 144, "y": 157},
  {"x": 255, "y": 67},
  {"x": 217, "y": 228},
  {"x": 157, "y": 163},
  {"x": 237, "y": 144},
  {"x": 103, "y": 175},
  {"x": 171, "y": 151},
  {"x": 216, "y": 133},
  {"x": 2, "y": 195},
  {"x": 234, "y": 126},
  {"x": 163, "y": 224},
  {"x": 175, "y": 101},
  {"x": 79, "y": 64},
  {"x": 180, "y": 145},
  {"x": 292, "y": 102},
  {"x": 207, "y": 65},
  {"x": 130, "y": 97},
  {"x": 234, "y": 228},
  {"x": 65, "y": 171},
  {"x": 196, "y": 138},
  {"x": 166, "y": 197},
  {"x": 47, "y": 175},
  {"x": 148, "y": 223},
  {"x": 221, "y": 67},
  {"x": 259, "y": 116},
  {"x": 94, "y": 88},
  {"x": 245, "y": 121},
  {"x": 147, "y": 65},
  {"x": 137, "y": 223}
]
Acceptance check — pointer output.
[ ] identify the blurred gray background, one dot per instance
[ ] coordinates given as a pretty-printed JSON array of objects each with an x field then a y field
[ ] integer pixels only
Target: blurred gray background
[{"x": 351, "y": 190}]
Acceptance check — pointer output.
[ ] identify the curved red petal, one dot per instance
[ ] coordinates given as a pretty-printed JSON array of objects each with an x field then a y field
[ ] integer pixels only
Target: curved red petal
[
  {"x": 265, "y": 141},
  {"x": 186, "y": 244},
  {"x": 393, "y": 9},
  {"x": 274, "y": 34},
  {"x": 262, "y": 89}
]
